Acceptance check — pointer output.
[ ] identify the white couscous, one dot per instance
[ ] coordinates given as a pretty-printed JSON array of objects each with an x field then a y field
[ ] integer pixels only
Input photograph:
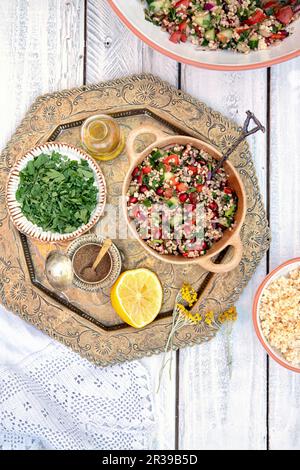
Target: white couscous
[{"x": 280, "y": 316}]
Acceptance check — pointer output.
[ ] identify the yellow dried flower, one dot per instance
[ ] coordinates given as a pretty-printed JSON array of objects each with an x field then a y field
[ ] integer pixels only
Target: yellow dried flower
[
  {"x": 198, "y": 317},
  {"x": 189, "y": 294},
  {"x": 181, "y": 308},
  {"x": 228, "y": 315},
  {"x": 209, "y": 318},
  {"x": 193, "y": 318}
]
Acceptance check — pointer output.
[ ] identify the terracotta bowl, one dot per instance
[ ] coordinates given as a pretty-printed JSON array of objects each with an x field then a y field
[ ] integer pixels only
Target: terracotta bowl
[
  {"x": 14, "y": 209},
  {"x": 230, "y": 238},
  {"x": 282, "y": 270}
]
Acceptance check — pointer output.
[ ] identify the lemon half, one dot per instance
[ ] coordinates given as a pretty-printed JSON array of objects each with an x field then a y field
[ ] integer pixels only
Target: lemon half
[{"x": 137, "y": 297}]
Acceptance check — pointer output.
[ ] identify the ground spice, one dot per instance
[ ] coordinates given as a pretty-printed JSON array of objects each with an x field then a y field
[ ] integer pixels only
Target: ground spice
[{"x": 85, "y": 257}]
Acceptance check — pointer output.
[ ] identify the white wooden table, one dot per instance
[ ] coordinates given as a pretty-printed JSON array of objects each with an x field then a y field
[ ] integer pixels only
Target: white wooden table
[{"x": 227, "y": 393}]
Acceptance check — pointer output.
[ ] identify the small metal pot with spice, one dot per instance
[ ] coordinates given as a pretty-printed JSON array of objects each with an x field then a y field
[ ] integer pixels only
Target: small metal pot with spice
[{"x": 96, "y": 262}]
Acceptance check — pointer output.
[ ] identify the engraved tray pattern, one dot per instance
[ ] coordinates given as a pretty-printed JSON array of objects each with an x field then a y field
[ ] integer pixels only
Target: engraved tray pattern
[{"x": 84, "y": 321}]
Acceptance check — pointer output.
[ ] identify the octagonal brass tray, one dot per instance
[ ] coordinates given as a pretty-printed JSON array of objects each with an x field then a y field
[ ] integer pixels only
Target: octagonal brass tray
[{"x": 85, "y": 321}]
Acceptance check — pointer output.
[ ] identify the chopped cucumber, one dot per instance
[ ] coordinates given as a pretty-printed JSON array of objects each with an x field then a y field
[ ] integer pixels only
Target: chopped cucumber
[
  {"x": 158, "y": 5},
  {"x": 172, "y": 202},
  {"x": 225, "y": 35},
  {"x": 230, "y": 211},
  {"x": 210, "y": 35},
  {"x": 203, "y": 18}
]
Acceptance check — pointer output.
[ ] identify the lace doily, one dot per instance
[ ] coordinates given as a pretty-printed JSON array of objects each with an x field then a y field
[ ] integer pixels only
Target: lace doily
[{"x": 57, "y": 400}]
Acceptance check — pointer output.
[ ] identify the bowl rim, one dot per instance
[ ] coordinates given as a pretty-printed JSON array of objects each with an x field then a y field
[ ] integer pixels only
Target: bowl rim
[
  {"x": 256, "y": 321},
  {"x": 99, "y": 207},
  {"x": 162, "y": 142},
  {"x": 171, "y": 55}
]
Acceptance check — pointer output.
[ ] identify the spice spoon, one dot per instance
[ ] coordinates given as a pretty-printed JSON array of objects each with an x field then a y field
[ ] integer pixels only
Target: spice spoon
[{"x": 103, "y": 250}]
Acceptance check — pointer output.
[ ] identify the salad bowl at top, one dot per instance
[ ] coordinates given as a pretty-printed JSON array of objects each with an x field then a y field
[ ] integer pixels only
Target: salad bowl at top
[
  {"x": 14, "y": 208},
  {"x": 133, "y": 16},
  {"x": 229, "y": 238}
]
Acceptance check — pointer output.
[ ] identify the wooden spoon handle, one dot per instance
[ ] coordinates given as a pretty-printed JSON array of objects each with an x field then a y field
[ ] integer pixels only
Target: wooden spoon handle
[{"x": 104, "y": 249}]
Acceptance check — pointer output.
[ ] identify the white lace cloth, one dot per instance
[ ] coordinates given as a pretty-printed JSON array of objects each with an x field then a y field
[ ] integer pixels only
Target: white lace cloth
[{"x": 54, "y": 399}]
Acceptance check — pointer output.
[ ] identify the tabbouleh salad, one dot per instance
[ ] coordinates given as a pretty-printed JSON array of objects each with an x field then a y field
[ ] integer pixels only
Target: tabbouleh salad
[
  {"x": 179, "y": 177},
  {"x": 241, "y": 25}
]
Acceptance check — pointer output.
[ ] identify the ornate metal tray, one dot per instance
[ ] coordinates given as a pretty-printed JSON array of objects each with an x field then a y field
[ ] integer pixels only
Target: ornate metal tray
[{"x": 85, "y": 321}]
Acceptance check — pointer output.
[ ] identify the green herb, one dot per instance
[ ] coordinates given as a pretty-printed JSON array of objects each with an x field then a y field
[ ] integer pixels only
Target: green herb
[
  {"x": 154, "y": 157},
  {"x": 147, "y": 203},
  {"x": 56, "y": 193}
]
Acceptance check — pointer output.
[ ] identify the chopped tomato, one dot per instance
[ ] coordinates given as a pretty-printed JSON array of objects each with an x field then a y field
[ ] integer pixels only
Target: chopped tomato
[
  {"x": 146, "y": 170},
  {"x": 139, "y": 178},
  {"x": 227, "y": 190},
  {"x": 133, "y": 200},
  {"x": 285, "y": 15},
  {"x": 199, "y": 188},
  {"x": 181, "y": 187},
  {"x": 183, "y": 37},
  {"x": 143, "y": 188},
  {"x": 193, "y": 169},
  {"x": 182, "y": 3},
  {"x": 183, "y": 197},
  {"x": 168, "y": 193},
  {"x": 182, "y": 26},
  {"x": 242, "y": 29},
  {"x": 175, "y": 37},
  {"x": 213, "y": 206},
  {"x": 193, "y": 198},
  {"x": 173, "y": 158},
  {"x": 173, "y": 181},
  {"x": 135, "y": 172},
  {"x": 279, "y": 36},
  {"x": 270, "y": 4},
  {"x": 258, "y": 17}
]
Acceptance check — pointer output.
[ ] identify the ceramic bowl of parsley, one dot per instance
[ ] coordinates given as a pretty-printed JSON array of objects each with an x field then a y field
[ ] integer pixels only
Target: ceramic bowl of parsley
[{"x": 55, "y": 193}]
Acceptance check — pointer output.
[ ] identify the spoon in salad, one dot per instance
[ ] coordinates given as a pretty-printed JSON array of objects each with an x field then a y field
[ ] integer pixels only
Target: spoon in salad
[{"x": 246, "y": 131}]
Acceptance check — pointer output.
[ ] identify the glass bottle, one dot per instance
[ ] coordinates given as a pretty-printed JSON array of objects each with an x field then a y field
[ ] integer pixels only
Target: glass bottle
[{"x": 102, "y": 137}]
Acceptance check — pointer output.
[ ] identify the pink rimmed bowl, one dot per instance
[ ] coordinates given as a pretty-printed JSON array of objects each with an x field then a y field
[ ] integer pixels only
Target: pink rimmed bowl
[
  {"x": 132, "y": 15},
  {"x": 282, "y": 270}
]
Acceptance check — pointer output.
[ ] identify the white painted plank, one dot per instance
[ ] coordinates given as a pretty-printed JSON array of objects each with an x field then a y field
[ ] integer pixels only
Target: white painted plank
[
  {"x": 223, "y": 383},
  {"x": 41, "y": 51},
  {"x": 114, "y": 52},
  {"x": 284, "y": 386}
]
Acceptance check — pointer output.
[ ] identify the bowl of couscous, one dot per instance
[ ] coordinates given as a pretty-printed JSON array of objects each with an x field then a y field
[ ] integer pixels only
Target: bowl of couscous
[
  {"x": 276, "y": 314},
  {"x": 176, "y": 209},
  {"x": 229, "y": 35}
]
